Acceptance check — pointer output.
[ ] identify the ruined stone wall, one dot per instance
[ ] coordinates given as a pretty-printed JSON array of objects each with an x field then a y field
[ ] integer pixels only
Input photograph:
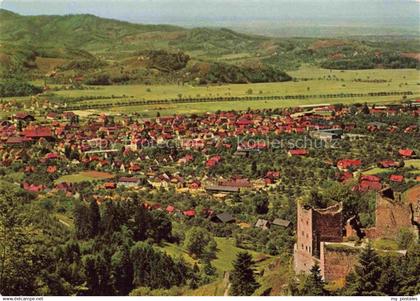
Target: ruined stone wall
[
  {"x": 337, "y": 263},
  {"x": 327, "y": 226},
  {"x": 303, "y": 261},
  {"x": 391, "y": 217}
]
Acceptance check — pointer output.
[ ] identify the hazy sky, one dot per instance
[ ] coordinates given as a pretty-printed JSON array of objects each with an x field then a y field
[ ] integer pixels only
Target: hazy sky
[{"x": 199, "y": 12}]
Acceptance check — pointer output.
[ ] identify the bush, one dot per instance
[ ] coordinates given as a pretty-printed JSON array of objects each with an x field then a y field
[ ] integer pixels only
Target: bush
[
  {"x": 11, "y": 88},
  {"x": 83, "y": 64},
  {"x": 200, "y": 243},
  {"x": 405, "y": 238}
]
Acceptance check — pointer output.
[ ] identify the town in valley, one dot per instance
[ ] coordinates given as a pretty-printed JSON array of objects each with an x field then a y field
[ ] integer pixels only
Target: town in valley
[{"x": 160, "y": 160}]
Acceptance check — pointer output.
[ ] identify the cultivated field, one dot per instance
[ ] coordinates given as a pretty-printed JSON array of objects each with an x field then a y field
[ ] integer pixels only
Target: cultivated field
[{"x": 310, "y": 81}]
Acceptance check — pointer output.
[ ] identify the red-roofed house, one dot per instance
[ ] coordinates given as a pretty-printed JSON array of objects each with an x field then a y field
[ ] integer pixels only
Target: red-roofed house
[
  {"x": 213, "y": 161},
  {"x": 345, "y": 164},
  {"x": 110, "y": 185},
  {"x": 170, "y": 209},
  {"x": 32, "y": 187},
  {"x": 51, "y": 156},
  {"x": 298, "y": 152},
  {"x": 369, "y": 185},
  {"x": 38, "y": 132},
  {"x": 396, "y": 178},
  {"x": 189, "y": 213},
  {"x": 370, "y": 178},
  {"x": 346, "y": 176},
  {"x": 388, "y": 164},
  {"x": 195, "y": 184},
  {"x": 52, "y": 115},
  {"x": 407, "y": 153},
  {"x": 273, "y": 174},
  {"x": 51, "y": 169},
  {"x": 244, "y": 122},
  {"x": 15, "y": 140},
  {"x": 24, "y": 116}
]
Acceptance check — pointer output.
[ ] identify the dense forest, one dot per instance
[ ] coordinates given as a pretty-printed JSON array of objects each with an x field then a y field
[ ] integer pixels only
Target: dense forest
[
  {"x": 389, "y": 60},
  {"x": 110, "y": 253}
]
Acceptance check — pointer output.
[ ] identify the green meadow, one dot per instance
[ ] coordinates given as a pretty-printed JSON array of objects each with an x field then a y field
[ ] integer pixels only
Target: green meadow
[
  {"x": 309, "y": 81},
  {"x": 317, "y": 81},
  {"x": 322, "y": 82}
]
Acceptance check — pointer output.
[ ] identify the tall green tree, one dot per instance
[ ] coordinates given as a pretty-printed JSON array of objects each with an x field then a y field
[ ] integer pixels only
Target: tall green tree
[
  {"x": 122, "y": 271},
  {"x": 261, "y": 204},
  {"x": 103, "y": 271},
  {"x": 94, "y": 218},
  {"x": 142, "y": 222},
  {"x": 160, "y": 226},
  {"x": 92, "y": 279},
  {"x": 388, "y": 283},
  {"x": 81, "y": 220},
  {"x": 242, "y": 277},
  {"x": 367, "y": 273},
  {"x": 314, "y": 285},
  {"x": 113, "y": 218},
  {"x": 200, "y": 243},
  {"x": 409, "y": 267},
  {"x": 155, "y": 269}
]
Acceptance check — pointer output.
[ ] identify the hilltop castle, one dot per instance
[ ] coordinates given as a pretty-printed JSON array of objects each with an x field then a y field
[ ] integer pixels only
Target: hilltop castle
[{"x": 323, "y": 236}]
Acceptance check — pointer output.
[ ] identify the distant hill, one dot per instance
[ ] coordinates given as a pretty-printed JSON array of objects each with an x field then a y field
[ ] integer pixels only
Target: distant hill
[{"x": 89, "y": 47}]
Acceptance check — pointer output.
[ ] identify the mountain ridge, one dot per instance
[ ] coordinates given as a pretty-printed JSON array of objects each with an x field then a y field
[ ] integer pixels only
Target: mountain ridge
[{"x": 116, "y": 50}]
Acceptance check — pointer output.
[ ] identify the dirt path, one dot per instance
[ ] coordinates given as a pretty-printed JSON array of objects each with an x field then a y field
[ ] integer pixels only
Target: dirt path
[
  {"x": 64, "y": 223},
  {"x": 226, "y": 283}
]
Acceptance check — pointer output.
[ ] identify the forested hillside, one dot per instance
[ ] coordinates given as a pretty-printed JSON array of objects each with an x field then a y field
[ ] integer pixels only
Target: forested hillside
[{"x": 95, "y": 50}]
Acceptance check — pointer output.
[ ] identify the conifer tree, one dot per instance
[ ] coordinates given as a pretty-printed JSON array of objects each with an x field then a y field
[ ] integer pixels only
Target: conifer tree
[
  {"x": 102, "y": 267},
  {"x": 94, "y": 218},
  {"x": 122, "y": 271},
  {"x": 112, "y": 219},
  {"x": 410, "y": 273},
  {"x": 314, "y": 284},
  {"x": 142, "y": 223},
  {"x": 388, "y": 282},
  {"x": 92, "y": 281},
  {"x": 81, "y": 221},
  {"x": 242, "y": 277},
  {"x": 368, "y": 272}
]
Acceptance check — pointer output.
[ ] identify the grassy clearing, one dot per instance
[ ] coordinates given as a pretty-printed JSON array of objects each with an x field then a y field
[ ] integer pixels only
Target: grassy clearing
[
  {"x": 415, "y": 163},
  {"x": 376, "y": 170},
  {"x": 216, "y": 288},
  {"x": 276, "y": 279},
  {"x": 396, "y": 75},
  {"x": 385, "y": 244},
  {"x": 412, "y": 163},
  {"x": 84, "y": 176},
  {"x": 175, "y": 250},
  {"x": 226, "y": 254}
]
